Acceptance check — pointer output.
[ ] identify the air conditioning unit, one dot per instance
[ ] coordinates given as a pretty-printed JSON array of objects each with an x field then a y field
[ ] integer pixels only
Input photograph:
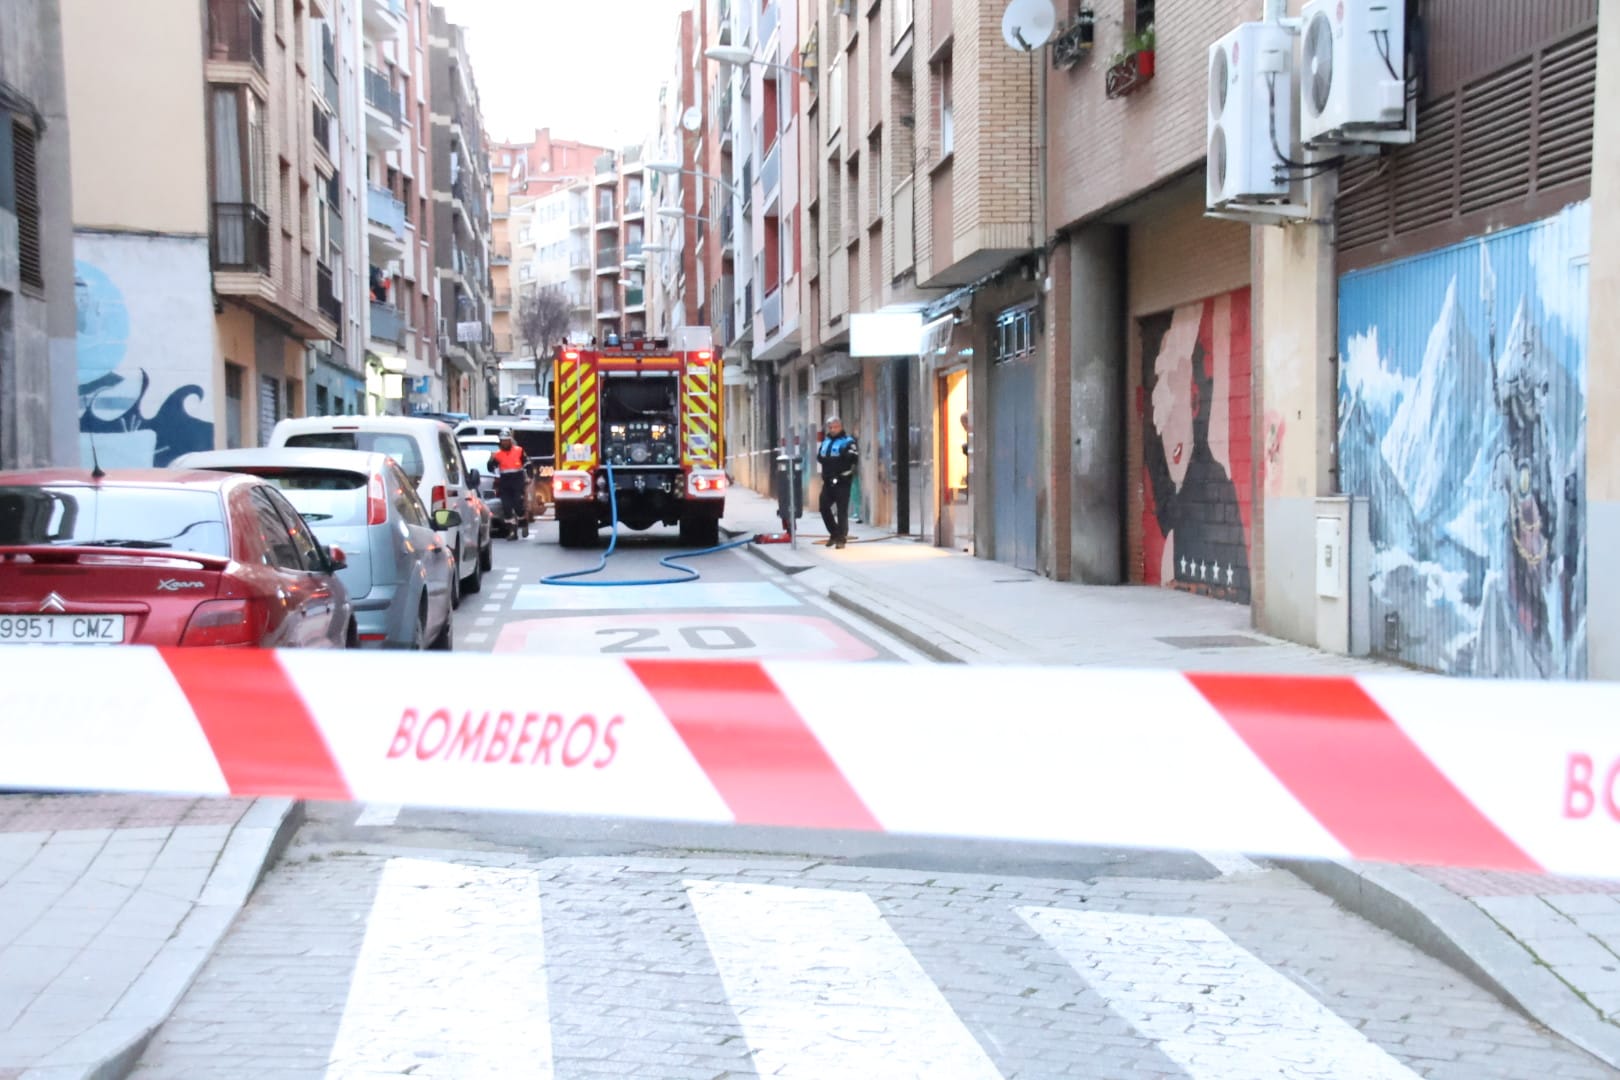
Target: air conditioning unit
[
  {"x": 1250, "y": 115},
  {"x": 1352, "y": 85}
]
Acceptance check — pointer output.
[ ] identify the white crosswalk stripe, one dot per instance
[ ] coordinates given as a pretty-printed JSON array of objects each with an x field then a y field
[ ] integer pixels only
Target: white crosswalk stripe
[
  {"x": 444, "y": 973},
  {"x": 824, "y": 987},
  {"x": 440, "y": 931},
  {"x": 1211, "y": 1005}
]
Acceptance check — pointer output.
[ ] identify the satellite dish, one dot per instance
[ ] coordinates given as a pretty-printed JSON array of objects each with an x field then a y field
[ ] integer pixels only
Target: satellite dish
[
  {"x": 692, "y": 119},
  {"x": 1028, "y": 24}
]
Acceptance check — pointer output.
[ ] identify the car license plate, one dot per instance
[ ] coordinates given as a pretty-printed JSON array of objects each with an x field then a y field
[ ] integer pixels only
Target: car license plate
[{"x": 61, "y": 629}]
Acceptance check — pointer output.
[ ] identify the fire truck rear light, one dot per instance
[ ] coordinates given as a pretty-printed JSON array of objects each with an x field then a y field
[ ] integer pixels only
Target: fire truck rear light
[
  {"x": 566, "y": 484},
  {"x": 705, "y": 355},
  {"x": 571, "y": 355},
  {"x": 708, "y": 485}
]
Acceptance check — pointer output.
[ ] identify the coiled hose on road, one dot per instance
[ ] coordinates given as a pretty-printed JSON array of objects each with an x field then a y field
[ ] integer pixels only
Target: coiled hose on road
[{"x": 685, "y": 573}]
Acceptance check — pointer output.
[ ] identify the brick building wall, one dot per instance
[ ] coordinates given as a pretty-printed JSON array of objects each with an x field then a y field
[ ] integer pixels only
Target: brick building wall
[{"x": 1103, "y": 152}]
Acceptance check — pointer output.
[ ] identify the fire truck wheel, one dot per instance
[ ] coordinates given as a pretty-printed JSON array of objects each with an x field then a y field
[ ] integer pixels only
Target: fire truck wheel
[
  {"x": 700, "y": 530},
  {"x": 576, "y": 532}
]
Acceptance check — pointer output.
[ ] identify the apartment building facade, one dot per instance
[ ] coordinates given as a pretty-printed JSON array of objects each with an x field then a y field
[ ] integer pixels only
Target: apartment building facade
[
  {"x": 197, "y": 275},
  {"x": 527, "y": 175},
  {"x": 461, "y": 196},
  {"x": 404, "y": 369},
  {"x": 38, "y": 384}
]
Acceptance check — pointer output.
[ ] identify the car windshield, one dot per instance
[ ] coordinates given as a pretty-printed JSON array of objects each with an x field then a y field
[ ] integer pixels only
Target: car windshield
[
  {"x": 402, "y": 448},
  {"x": 325, "y": 497},
  {"x": 113, "y": 515}
]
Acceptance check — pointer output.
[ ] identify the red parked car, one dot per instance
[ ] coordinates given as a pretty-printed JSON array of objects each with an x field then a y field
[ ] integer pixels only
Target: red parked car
[{"x": 163, "y": 557}]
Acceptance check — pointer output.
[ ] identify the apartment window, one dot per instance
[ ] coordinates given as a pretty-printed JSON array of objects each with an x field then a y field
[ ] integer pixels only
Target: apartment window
[
  {"x": 812, "y": 242},
  {"x": 947, "y": 111},
  {"x": 772, "y": 262},
  {"x": 835, "y": 202},
  {"x": 241, "y": 225},
  {"x": 526, "y": 273},
  {"x": 269, "y": 407},
  {"x": 1016, "y": 329},
  {"x": 772, "y": 118},
  {"x": 286, "y": 199},
  {"x": 234, "y": 375},
  {"x": 835, "y": 98},
  {"x": 298, "y": 31},
  {"x": 19, "y": 193},
  {"x": 306, "y": 230}
]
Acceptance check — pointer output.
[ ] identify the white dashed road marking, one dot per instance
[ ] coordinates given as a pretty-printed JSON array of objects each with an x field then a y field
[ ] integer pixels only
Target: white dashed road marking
[
  {"x": 824, "y": 987},
  {"x": 375, "y": 814},
  {"x": 1230, "y": 862},
  {"x": 441, "y": 932},
  {"x": 1211, "y": 1006}
]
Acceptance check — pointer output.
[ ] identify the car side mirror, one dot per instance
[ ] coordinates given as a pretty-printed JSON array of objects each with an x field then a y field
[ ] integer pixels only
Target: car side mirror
[
  {"x": 446, "y": 519},
  {"x": 473, "y": 478},
  {"x": 336, "y": 559}
]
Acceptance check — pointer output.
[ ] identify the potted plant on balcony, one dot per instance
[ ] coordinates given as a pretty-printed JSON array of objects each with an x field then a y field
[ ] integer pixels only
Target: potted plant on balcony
[{"x": 1133, "y": 65}]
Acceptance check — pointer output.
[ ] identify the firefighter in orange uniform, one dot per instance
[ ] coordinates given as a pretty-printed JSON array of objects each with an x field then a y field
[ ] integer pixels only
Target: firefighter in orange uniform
[{"x": 508, "y": 463}]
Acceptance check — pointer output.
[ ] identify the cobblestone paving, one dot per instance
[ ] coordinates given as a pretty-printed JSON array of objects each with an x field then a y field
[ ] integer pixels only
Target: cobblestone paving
[{"x": 634, "y": 970}]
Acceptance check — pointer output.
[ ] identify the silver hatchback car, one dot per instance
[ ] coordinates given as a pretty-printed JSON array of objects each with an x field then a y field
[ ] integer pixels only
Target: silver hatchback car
[{"x": 401, "y": 573}]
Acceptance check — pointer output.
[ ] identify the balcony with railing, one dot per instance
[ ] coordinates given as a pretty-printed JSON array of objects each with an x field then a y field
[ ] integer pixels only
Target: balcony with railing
[
  {"x": 387, "y": 324},
  {"x": 579, "y": 217},
  {"x": 503, "y": 299},
  {"x": 579, "y": 259},
  {"x": 381, "y": 95},
  {"x": 326, "y": 297},
  {"x": 632, "y": 249},
  {"x": 384, "y": 210},
  {"x": 772, "y": 310},
  {"x": 607, "y": 259},
  {"x": 635, "y": 299},
  {"x": 768, "y": 19},
  {"x": 503, "y": 342},
  {"x": 770, "y": 172},
  {"x": 747, "y": 186},
  {"x": 241, "y": 237},
  {"x": 236, "y": 32},
  {"x": 385, "y": 18}
]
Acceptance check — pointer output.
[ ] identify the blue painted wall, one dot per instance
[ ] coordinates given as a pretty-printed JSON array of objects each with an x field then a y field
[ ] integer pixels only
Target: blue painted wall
[
  {"x": 1462, "y": 419},
  {"x": 145, "y": 348}
]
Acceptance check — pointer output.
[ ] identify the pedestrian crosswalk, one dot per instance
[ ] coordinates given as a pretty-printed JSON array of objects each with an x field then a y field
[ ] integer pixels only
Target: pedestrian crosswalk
[{"x": 352, "y": 964}]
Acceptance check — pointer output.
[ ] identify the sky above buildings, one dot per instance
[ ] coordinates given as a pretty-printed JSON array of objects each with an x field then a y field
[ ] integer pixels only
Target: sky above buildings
[{"x": 587, "y": 69}]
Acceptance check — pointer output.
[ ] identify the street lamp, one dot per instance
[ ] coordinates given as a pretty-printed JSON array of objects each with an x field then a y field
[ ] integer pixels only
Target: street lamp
[
  {"x": 742, "y": 56},
  {"x": 673, "y": 168}
]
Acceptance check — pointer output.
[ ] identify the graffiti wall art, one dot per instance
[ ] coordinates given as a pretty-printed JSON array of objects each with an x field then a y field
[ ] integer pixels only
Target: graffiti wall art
[
  {"x": 1462, "y": 420},
  {"x": 1197, "y": 447},
  {"x": 145, "y": 349}
]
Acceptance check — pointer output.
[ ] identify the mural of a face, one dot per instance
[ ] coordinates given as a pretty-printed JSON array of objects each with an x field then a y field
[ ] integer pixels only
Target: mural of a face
[
  {"x": 1196, "y": 452},
  {"x": 1173, "y": 406}
]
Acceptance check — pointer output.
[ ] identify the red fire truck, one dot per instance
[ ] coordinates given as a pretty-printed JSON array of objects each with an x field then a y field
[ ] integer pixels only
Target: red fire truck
[{"x": 651, "y": 410}]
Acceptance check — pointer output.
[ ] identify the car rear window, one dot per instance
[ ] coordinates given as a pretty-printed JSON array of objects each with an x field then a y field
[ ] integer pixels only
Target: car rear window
[
  {"x": 114, "y": 516},
  {"x": 323, "y": 497},
  {"x": 402, "y": 448}
]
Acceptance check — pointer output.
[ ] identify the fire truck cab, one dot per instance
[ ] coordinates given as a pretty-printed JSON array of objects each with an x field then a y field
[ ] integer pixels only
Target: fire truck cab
[{"x": 651, "y": 409}]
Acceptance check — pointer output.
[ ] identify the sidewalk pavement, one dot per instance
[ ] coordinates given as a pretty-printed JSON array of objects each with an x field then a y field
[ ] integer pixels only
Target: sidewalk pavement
[
  {"x": 1547, "y": 946},
  {"x": 109, "y": 906}
]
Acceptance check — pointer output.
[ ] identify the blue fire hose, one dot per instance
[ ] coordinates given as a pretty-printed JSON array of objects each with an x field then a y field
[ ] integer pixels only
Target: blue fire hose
[{"x": 684, "y": 573}]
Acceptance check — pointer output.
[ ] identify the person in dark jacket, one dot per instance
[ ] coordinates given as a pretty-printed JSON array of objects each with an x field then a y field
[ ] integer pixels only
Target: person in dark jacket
[{"x": 838, "y": 455}]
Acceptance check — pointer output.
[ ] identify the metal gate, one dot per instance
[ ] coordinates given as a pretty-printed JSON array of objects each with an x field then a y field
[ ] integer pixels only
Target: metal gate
[{"x": 1012, "y": 460}]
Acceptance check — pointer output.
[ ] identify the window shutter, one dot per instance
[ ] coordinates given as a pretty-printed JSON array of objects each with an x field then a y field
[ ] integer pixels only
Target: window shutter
[{"x": 25, "y": 165}]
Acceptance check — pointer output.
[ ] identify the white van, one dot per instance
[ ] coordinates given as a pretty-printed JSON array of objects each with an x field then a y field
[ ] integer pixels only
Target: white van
[{"x": 427, "y": 451}]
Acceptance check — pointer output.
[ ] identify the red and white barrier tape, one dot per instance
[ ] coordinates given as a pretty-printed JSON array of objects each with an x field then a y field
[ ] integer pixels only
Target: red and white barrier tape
[{"x": 1515, "y": 776}]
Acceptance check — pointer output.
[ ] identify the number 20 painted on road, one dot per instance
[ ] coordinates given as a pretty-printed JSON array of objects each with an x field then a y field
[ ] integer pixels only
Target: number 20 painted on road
[{"x": 696, "y": 637}]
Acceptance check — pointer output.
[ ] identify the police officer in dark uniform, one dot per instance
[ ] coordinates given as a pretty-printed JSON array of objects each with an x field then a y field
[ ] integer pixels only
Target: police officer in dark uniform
[{"x": 838, "y": 455}]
